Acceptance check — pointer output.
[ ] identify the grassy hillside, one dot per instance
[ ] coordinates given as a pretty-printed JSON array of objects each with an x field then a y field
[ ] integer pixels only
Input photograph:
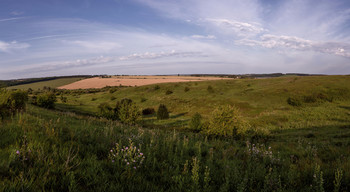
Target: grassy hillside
[
  {"x": 262, "y": 101},
  {"x": 51, "y": 83},
  {"x": 43, "y": 150}
]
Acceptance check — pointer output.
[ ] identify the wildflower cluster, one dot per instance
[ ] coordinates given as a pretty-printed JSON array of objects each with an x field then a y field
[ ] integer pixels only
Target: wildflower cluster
[
  {"x": 129, "y": 156},
  {"x": 261, "y": 151}
]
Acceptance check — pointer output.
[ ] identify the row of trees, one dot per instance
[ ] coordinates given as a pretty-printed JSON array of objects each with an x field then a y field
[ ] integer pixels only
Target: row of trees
[
  {"x": 224, "y": 121},
  {"x": 127, "y": 112}
]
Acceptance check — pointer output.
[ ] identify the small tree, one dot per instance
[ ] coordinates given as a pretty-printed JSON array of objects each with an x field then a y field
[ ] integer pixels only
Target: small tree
[
  {"x": 46, "y": 100},
  {"x": 226, "y": 121},
  {"x": 195, "y": 123},
  {"x": 162, "y": 112},
  {"x": 18, "y": 100},
  {"x": 128, "y": 113}
]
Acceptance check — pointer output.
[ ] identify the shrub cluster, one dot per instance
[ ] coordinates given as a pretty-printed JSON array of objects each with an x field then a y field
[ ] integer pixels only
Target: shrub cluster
[
  {"x": 195, "y": 123},
  {"x": 12, "y": 102},
  {"x": 168, "y": 92},
  {"x": 314, "y": 98},
  {"x": 125, "y": 111},
  {"x": 226, "y": 121},
  {"x": 162, "y": 112},
  {"x": 210, "y": 89},
  {"x": 148, "y": 111},
  {"x": 46, "y": 100}
]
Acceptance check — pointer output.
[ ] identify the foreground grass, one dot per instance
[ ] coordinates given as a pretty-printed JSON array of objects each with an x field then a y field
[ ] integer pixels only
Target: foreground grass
[
  {"x": 51, "y": 83},
  {"x": 43, "y": 150}
]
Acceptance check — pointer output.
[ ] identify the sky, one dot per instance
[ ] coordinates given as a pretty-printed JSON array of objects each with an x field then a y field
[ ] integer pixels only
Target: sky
[{"x": 40, "y": 38}]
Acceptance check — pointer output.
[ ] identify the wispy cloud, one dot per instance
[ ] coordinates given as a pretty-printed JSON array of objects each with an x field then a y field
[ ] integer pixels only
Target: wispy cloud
[
  {"x": 236, "y": 27},
  {"x": 59, "y": 65},
  {"x": 282, "y": 42},
  {"x": 148, "y": 55},
  {"x": 16, "y": 13},
  {"x": 11, "y": 46},
  {"x": 96, "y": 45},
  {"x": 11, "y": 19},
  {"x": 203, "y": 37}
]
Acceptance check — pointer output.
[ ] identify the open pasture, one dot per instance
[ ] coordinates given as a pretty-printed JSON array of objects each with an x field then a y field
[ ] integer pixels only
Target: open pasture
[{"x": 50, "y": 83}]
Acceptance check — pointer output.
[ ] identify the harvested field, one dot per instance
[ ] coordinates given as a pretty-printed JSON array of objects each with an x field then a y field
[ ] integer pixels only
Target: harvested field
[{"x": 98, "y": 82}]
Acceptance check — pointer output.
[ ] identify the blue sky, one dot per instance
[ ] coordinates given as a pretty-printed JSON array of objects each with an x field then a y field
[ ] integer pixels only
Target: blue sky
[{"x": 71, "y": 37}]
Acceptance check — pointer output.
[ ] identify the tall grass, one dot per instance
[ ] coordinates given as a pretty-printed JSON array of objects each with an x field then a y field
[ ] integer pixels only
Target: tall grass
[{"x": 43, "y": 150}]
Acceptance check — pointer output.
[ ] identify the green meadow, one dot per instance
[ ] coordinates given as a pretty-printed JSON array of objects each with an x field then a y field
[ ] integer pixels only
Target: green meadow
[
  {"x": 298, "y": 139},
  {"x": 51, "y": 83}
]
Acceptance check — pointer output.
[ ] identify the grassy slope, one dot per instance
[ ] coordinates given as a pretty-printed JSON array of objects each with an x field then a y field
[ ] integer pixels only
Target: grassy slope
[
  {"x": 65, "y": 152},
  {"x": 262, "y": 101},
  {"x": 52, "y": 83}
]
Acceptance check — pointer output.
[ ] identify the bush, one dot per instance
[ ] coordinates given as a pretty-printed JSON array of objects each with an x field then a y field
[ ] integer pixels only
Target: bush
[
  {"x": 113, "y": 98},
  {"x": 186, "y": 89},
  {"x": 226, "y": 121},
  {"x": 148, "y": 111},
  {"x": 112, "y": 90},
  {"x": 128, "y": 112},
  {"x": 294, "y": 101},
  {"x": 143, "y": 99},
  {"x": 156, "y": 87},
  {"x": 46, "y": 100},
  {"x": 18, "y": 100},
  {"x": 12, "y": 102},
  {"x": 168, "y": 92},
  {"x": 162, "y": 112},
  {"x": 63, "y": 99},
  {"x": 195, "y": 123},
  {"x": 210, "y": 89},
  {"x": 106, "y": 111}
]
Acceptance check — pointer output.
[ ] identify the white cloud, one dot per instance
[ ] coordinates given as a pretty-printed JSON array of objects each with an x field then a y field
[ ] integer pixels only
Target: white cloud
[
  {"x": 16, "y": 13},
  {"x": 291, "y": 42},
  {"x": 11, "y": 46},
  {"x": 59, "y": 65},
  {"x": 11, "y": 19},
  {"x": 236, "y": 27},
  {"x": 148, "y": 55},
  {"x": 97, "y": 45},
  {"x": 203, "y": 37}
]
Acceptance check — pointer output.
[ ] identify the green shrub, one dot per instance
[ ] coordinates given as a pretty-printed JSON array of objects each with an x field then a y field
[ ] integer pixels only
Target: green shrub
[
  {"x": 195, "y": 123},
  {"x": 128, "y": 112},
  {"x": 168, "y": 92},
  {"x": 226, "y": 121},
  {"x": 12, "y": 102},
  {"x": 106, "y": 111},
  {"x": 63, "y": 99},
  {"x": 46, "y": 100},
  {"x": 148, "y": 111},
  {"x": 18, "y": 100},
  {"x": 143, "y": 99},
  {"x": 113, "y": 98},
  {"x": 112, "y": 90},
  {"x": 294, "y": 101},
  {"x": 156, "y": 87},
  {"x": 186, "y": 89},
  {"x": 210, "y": 89},
  {"x": 162, "y": 112}
]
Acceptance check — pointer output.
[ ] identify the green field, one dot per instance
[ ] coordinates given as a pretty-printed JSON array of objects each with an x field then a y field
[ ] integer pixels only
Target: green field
[
  {"x": 262, "y": 101},
  {"x": 298, "y": 139},
  {"x": 51, "y": 83}
]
